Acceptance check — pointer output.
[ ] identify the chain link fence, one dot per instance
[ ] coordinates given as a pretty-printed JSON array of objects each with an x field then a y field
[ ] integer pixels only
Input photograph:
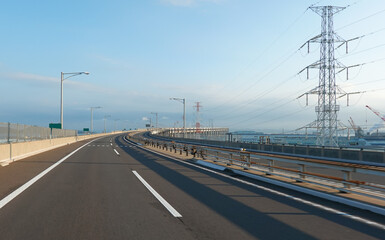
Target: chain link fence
[{"x": 14, "y": 132}]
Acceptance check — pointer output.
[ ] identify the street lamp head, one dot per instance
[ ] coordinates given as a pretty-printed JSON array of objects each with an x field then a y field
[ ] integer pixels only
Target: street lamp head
[
  {"x": 86, "y": 73},
  {"x": 182, "y": 100}
]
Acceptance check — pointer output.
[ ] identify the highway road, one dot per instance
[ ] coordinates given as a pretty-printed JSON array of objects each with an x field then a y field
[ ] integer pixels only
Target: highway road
[{"x": 109, "y": 188}]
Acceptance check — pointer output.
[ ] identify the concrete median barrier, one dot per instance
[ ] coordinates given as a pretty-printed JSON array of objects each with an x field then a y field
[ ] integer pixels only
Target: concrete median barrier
[{"x": 15, "y": 151}]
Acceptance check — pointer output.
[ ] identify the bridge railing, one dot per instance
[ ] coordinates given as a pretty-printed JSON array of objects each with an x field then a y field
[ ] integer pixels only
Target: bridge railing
[
  {"x": 348, "y": 153},
  {"x": 14, "y": 132},
  {"x": 343, "y": 176}
]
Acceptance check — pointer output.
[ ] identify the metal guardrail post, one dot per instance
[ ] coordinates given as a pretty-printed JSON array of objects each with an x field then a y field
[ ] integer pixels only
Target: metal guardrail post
[
  {"x": 360, "y": 155},
  {"x": 383, "y": 157},
  {"x": 17, "y": 136},
  {"x": 271, "y": 167},
  {"x": 231, "y": 160},
  {"x": 347, "y": 177},
  {"x": 186, "y": 150},
  {"x": 294, "y": 148},
  {"x": 194, "y": 151},
  {"x": 202, "y": 155},
  {"x": 9, "y": 133},
  {"x": 302, "y": 169},
  {"x": 248, "y": 160},
  {"x": 10, "y": 151},
  {"x": 340, "y": 153}
]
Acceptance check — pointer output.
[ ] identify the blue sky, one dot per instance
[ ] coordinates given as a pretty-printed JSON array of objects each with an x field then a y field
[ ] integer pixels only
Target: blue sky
[{"x": 238, "y": 58}]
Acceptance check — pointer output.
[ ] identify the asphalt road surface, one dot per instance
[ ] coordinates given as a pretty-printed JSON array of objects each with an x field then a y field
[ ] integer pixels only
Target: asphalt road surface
[{"x": 113, "y": 189}]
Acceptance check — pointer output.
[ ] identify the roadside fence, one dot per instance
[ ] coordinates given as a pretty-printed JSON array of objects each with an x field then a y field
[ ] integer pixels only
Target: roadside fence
[{"x": 14, "y": 132}]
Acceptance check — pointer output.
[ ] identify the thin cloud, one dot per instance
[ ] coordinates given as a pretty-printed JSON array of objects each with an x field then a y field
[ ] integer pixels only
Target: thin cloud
[
  {"x": 31, "y": 77},
  {"x": 40, "y": 79}
]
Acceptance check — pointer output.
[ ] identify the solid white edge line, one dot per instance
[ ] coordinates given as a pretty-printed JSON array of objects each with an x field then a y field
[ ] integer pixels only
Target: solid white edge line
[
  {"x": 344, "y": 214},
  {"x": 172, "y": 210},
  {"x": 26, "y": 185},
  {"x": 116, "y": 152}
]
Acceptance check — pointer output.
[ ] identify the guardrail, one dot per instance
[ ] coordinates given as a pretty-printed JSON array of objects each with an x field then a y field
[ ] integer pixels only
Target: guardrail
[
  {"x": 318, "y": 171},
  {"x": 348, "y": 153}
]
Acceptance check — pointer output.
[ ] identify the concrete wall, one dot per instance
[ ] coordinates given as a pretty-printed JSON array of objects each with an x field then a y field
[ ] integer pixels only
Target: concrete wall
[{"x": 15, "y": 151}]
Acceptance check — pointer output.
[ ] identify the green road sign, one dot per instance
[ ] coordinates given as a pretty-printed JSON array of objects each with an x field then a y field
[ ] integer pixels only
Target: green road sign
[
  {"x": 55, "y": 125},
  {"x": 86, "y": 129}
]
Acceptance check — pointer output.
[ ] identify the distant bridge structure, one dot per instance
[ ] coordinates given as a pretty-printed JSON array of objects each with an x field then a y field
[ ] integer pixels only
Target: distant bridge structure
[{"x": 178, "y": 132}]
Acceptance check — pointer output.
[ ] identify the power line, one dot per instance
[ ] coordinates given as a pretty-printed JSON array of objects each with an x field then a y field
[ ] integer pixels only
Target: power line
[
  {"x": 240, "y": 107},
  {"x": 365, "y": 50},
  {"x": 259, "y": 56},
  {"x": 268, "y": 120},
  {"x": 232, "y": 116},
  {"x": 372, "y": 81},
  {"x": 255, "y": 83},
  {"x": 362, "y": 19}
]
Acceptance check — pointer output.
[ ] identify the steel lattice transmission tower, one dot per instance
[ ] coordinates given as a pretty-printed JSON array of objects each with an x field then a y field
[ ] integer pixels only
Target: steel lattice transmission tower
[
  {"x": 197, "y": 124},
  {"x": 327, "y": 90}
]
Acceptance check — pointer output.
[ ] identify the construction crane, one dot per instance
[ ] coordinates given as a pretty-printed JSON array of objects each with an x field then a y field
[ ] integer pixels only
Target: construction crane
[
  {"x": 351, "y": 122},
  {"x": 378, "y": 125},
  {"x": 357, "y": 129},
  {"x": 376, "y": 112}
]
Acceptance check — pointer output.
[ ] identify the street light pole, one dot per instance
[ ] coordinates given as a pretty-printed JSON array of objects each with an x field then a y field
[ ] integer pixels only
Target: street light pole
[
  {"x": 115, "y": 124},
  {"x": 92, "y": 123},
  {"x": 105, "y": 117},
  {"x": 156, "y": 117},
  {"x": 61, "y": 92},
  {"x": 182, "y": 100},
  {"x": 61, "y": 100}
]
